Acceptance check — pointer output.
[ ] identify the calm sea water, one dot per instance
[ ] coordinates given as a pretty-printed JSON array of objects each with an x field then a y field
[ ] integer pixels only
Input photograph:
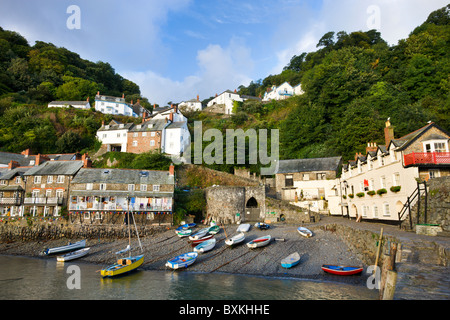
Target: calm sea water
[{"x": 32, "y": 278}]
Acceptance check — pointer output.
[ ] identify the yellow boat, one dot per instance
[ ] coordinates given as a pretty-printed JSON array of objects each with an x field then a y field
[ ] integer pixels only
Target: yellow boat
[{"x": 122, "y": 266}]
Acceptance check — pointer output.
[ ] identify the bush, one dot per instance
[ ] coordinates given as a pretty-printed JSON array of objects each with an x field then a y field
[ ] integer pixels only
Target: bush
[
  {"x": 396, "y": 188},
  {"x": 371, "y": 192},
  {"x": 351, "y": 195},
  {"x": 360, "y": 194},
  {"x": 381, "y": 191}
]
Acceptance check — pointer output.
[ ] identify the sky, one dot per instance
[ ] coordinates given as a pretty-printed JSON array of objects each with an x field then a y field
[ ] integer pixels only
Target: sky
[{"x": 178, "y": 49}]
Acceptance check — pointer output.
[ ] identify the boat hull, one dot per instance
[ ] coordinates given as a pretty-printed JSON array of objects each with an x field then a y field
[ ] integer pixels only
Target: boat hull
[
  {"x": 291, "y": 261},
  {"x": 260, "y": 242},
  {"x": 123, "y": 266},
  {"x": 182, "y": 261},
  {"x": 73, "y": 255},
  {"x": 243, "y": 227},
  {"x": 342, "y": 270},
  {"x": 262, "y": 226},
  {"x": 184, "y": 233},
  {"x": 198, "y": 241},
  {"x": 305, "y": 232},
  {"x": 70, "y": 247},
  {"x": 205, "y": 246},
  {"x": 235, "y": 240},
  {"x": 214, "y": 230},
  {"x": 199, "y": 234}
]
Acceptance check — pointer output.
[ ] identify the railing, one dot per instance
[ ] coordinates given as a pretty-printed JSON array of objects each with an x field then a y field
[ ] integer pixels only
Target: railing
[
  {"x": 11, "y": 201},
  {"x": 44, "y": 201},
  {"x": 113, "y": 206},
  {"x": 285, "y": 93},
  {"x": 411, "y": 201},
  {"x": 426, "y": 158}
]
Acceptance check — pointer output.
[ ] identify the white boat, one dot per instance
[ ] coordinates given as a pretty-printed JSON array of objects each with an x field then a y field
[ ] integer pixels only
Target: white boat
[
  {"x": 199, "y": 234},
  {"x": 235, "y": 239},
  {"x": 73, "y": 255},
  {"x": 182, "y": 261},
  {"x": 128, "y": 248},
  {"x": 243, "y": 227},
  {"x": 291, "y": 260},
  {"x": 205, "y": 246},
  {"x": 184, "y": 233},
  {"x": 260, "y": 242},
  {"x": 305, "y": 232},
  {"x": 66, "y": 248}
]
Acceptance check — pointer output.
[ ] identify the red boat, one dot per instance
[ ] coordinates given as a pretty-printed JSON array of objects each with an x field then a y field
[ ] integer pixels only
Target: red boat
[
  {"x": 342, "y": 270},
  {"x": 197, "y": 241}
]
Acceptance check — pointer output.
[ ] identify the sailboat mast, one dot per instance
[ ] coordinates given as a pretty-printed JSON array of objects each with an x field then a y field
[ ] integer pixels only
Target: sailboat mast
[{"x": 128, "y": 222}]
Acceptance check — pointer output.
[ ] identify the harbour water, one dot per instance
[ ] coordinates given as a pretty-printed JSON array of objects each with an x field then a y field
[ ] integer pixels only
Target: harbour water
[{"x": 23, "y": 278}]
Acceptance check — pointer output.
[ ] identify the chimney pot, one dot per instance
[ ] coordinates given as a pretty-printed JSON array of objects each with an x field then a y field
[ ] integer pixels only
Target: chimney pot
[{"x": 171, "y": 170}]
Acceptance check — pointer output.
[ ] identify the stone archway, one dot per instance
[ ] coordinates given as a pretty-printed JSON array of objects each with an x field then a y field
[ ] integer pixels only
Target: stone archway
[{"x": 252, "y": 210}]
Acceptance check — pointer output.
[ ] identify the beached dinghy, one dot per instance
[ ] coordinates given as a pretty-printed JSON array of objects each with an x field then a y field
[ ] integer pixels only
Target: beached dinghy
[
  {"x": 123, "y": 266},
  {"x": 260, "y": 242},
  {"x": 184, "y": 233},
  {"x": 205, "y": 246},
  {"x": 70, "y": 247},
  {"x": 199, "y": 234},
  {"x": 73, "y": 255},
  {"x": 185, "y": 226},
  {"x": 262, "y": 225},
  {"x": 342, "y": 270},
  {"x": 128, "y": 248},
  {"x": 305, "y": 232},
  {"x": 291, "y": 260},
  {"x": 243, "y": 227},
  {"x": 200, "y": 240},
  {"x": 214, "y": 230},
  {"x": 182, "y": 261},
  {"x": 234, "y": 240}
]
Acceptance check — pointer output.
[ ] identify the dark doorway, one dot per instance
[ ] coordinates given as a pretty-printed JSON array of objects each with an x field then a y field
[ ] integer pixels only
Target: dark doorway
[{"x": 252, "y": 210}]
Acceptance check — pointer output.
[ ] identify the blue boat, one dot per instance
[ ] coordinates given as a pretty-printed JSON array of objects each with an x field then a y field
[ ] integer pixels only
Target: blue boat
[
  {"x": 182, "y": 261},
  {"x": 290, "y": 261},
  {"x": 186, "y": 226}
]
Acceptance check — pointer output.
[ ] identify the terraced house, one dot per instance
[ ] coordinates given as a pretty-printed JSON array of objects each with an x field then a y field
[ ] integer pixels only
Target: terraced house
[{"x": 105, "y": 195}]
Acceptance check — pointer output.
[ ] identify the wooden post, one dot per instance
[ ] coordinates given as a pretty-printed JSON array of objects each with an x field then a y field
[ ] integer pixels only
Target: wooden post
[
  {"x": 426, "y": 200},
  {"x": 418, "y": 203},
  {"x": 389, "y": 288},
  {"x": 379, "y": 247}
]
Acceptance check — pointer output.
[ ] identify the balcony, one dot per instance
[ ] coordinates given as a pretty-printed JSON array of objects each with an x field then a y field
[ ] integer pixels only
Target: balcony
[
  {"x": 285, "y": 93},
  {"x": 427, "y": 158},
  {"x": 11, "y": 201},
  {"x": 113, "y": 207},
  {"x": 44, "y": 201}
]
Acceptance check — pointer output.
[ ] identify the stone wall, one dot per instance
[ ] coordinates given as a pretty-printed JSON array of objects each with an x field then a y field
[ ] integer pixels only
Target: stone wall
[{"x": 279, "y": 210}]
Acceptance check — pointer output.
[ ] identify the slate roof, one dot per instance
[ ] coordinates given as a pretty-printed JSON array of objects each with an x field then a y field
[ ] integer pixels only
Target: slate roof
[
  {"x": 6, "y": 157},
  {"x": 55, "y": 168},
  {"x": 115, "y": 125},
  {"x": 158, "y": 125},
  {"x": 309, "y": 165},
  {"x": 176, "y": 125},
  {"x": 9, "y": 174},
  {"x": 123, "y": 176},
  {"x": 407, "y": 140},
  {"x": 69, "y": 103}
]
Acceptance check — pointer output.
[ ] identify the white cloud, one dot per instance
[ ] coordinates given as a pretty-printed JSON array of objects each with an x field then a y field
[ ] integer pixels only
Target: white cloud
[{"x": 219, "y": 69}]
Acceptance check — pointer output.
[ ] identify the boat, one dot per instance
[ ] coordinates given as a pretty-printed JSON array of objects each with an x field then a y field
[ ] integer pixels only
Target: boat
[
  {"x": 235, "y": 239},
  {"x": 291, "y": 260},
  {"x": 184, "y": 233},
  {"x": 205, "y": 246},
  {"x": 202, "y": 239},
  {"x": 243, "y": 227},
  {"x": 69, "y": 247},
  {"x": 185, "y": 226},
  {"x": 342, "y": 270},
  {"x": 262, "y": 225},
  {"x": 305, "y": 232},
  {"x": 182, "y": 261},
  {"x": 199, "y": 234},
  {"x": 125, "y": 264},
  {"x": 128, "y": 248},
  {"x": 122, "y": 266},
  {"x": 214, "y": 230},
  {"x": 73, "y": 255},
  {"x": 260, "y": 242}
]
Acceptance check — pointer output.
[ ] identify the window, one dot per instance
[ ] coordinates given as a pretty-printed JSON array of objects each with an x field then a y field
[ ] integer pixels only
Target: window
[
  {"x": 37, "y": 179},
  {"x": 59, "y": 193},
  {"x": 131, "y": 187},
  {"x": 35, "y": 194},
  {"x": 18, "y": 179},
  {"x": 152, "y": 143},
  {"x": 144, "y": 134},
  {"x": 156, "y": 188},
  {"x": 306, "y": 176},
  {"x": 371, "y": 184},
  {"x": 396, "y": 179},
  {"x": 135, "y": 143},
  {"x": 289, "y": 180},
  {"x": 136, "y": 134},
  {"x": 60, "y": 179},
  {"x": 365, "y": 210},
  {"x": 386, "y": 209},
  {"x": 375, "y": 211},
  {"x": 383, "y": 182},
  {"x": 143, "y": 187},
  {"x": 439, "y": 147},
  {"x": 104, "y": 135},
  {"x": 3, "y": 182},
  {"x": 49, "y": 179},
  {"x": 321, "y": 176},
  {"x": 102, "y": 186},
  {"x": 89, "y": 186},
  {"x": 48, "y": 193},
  {"x": 434, "y": 173},
  {"x": 152, "y": 134},
  {"x": 118, "y": 135},
  {"x": 369, "y": 164}
]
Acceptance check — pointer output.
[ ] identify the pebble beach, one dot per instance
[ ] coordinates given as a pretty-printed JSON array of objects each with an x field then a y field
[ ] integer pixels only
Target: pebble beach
[{"x": 324, "y": 247}]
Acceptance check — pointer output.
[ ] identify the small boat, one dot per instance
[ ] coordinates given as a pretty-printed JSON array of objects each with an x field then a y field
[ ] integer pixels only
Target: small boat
[
  {"x": 186, "y": 226},
  {"x": 305, "y": 232},
  {"x": 342, "y": 270},
  {"x": 128, "y": 248},
  {"x": 214, "y": 230},
  {"x": 243, "y": 227},
  {"x": 199, "y": 234},
  {"x": 262, "y": 225},
  {"x": 123, "y": 265},
  {"x": 291, "y": 260},
  {"x": 73, "y": 255},
  {"x": 260, "y": 242},
  {"x": 184, "y": 233},
  {"x": 203, "y": 239},
  {"x": 182, "y": 261},
  {"x": 235, "y": 239},
  {"x": 205, "y": 246},
  {"x": 69, "y": 247}
]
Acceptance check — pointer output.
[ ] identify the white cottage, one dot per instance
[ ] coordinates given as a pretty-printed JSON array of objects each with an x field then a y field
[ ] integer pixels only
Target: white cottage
[
  {"x": 113, "y": 105},
  {"x": 226, "y": 100}
]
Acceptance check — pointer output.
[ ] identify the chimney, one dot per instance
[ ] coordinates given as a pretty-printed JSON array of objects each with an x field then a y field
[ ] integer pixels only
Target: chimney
[
  {"x": 235, "y": 91},
  {"x": 40, "y": 159},
  {"x": 371, "y": 146},
  {"x": 98, "y": 93},
  {"x": 87, "y": 99},
  {"x": 388, "y": 133},
  {"x": 132, "y": 101},
  {"x": 123, "y": 95},
  {"x": 198, "y": 98},
  {"x": 87, "y": 162},
  {"x": 171, "y": 117},
  {"x": 138, "y": 101},
  {"x": 13, "y": 164},
  {"x": 103, "y": 123},
  {"x": 171, "y": 170},
  {"x": 26, "y": 153}
]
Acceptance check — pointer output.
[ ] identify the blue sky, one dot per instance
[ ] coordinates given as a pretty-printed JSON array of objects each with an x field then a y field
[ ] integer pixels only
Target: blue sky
[{"x": 178, "y": 49}]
